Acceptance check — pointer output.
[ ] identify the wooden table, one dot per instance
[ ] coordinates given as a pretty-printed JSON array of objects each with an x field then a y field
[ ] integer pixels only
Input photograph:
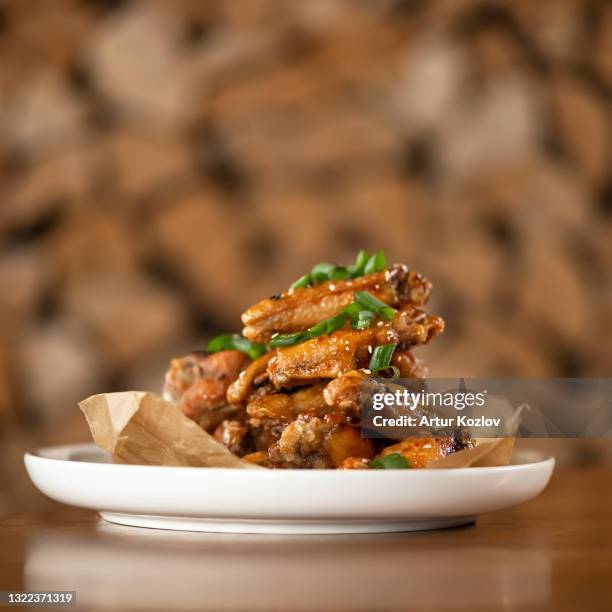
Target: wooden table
[{"x": 554, "y": 553}]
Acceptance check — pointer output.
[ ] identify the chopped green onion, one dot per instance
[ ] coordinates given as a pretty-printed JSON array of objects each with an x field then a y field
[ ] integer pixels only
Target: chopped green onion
[
  {"x": 358, "y": 267},
  {"x": 361, "y": 312},
  {"x": 323, "y": 327},
  {"x": 238, "y": 343},
  {"x": 375, "y": 305},
  {"x": 376, "y": 263},
  {"x": 316, "y": 330},
  {"x": 362, "y": 320},
  {"x": 381, "y": 357},
  {"x": 353, "y": 308},
  {"x": 303, "y": 281},
  {"x": 321, "y": 272},
  {"x": 257, "y": 350},
  {"x": 278, "y": 340},
  {"x": 390, "y": 373},
  {"x": 339, "y": 273},
  {"x": 393, "y": 461},
  {"x": 336, "y": 322},
  {"x": 387, "y": 313},
  {"x": 364, "y": 264}
]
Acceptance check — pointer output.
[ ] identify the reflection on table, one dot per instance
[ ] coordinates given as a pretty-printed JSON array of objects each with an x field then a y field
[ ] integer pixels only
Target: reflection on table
[{"x": 121, "y": 565}]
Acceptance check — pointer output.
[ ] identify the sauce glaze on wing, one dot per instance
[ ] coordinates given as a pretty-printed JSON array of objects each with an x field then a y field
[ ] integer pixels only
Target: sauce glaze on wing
[
  {"x": 338, "y": 353},
  {"x": 198, "y": 382},
  {"x": 298, "y": 309}
]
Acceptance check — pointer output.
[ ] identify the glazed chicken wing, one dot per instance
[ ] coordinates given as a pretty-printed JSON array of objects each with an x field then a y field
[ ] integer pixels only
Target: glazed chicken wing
[
  {"x": 199, "y": 383},
  {"x": 314, "y": 442},
  {"x": 421, "y": 451},
  {"x": 285, "y": 407},
  {"x": 344, "y": 394},
  {"x": 408, "y": 365},
  {"x": 336, "y": 354},
  {"x": 298, "y": 309},
  {"x": 252, "y": 375}
]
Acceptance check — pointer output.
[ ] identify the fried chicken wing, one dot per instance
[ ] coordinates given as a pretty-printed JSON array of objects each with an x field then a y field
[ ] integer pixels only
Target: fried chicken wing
[
  {"x": 315, "y": 443},
  {"x": 285, "y": 407},
  {"x": 323, "y": 357},
  {"x": 258, "y": 458},
  {"x": 253, "y": 374},
  {"x": 204, "y": 402},
  {"x": 408, "y": 365},
  {"x": 421, "y": 451},
  {"x": 198, "y": 382},
  {"x": 355, "y": 463},
  {"x": 336, "y": 354},
  {"x": 344, "y": 442},
  {"x": 344, "y": 393},
  {"x": 234, "y": 435},
  {"x": 298, "y": 309}
]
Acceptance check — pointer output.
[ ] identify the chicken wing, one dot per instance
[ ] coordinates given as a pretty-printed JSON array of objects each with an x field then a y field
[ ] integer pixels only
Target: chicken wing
[
  {"x": 285, "y": 407},
  {"x": 421, "y": 451},
  {"x": 198, "y": 382},
  {"x": 233, "y": 434},
  {"x": 343, "y": 394},
  {"x": 408, "y": 365},
  {"x": 252, "y": 375},
  {"x": 335, "y": 354},
  {"x": 314, "y": 442},
  {"x": 298, "y": 309}
]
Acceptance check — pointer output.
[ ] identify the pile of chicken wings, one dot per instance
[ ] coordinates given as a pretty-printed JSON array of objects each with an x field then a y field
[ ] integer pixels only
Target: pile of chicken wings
[{"x": 296, "y": 404}]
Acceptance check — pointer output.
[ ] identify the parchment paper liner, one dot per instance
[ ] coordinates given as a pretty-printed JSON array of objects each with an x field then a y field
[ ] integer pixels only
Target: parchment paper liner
[{"x": 139, "y": 427}]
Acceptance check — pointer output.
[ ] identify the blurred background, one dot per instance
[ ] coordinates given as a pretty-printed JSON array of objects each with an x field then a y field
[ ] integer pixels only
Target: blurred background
[{"x": 163, "y": 165}]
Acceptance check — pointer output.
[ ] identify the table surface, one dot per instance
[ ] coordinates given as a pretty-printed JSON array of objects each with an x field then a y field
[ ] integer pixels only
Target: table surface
[{"x": 554, "y": 553}]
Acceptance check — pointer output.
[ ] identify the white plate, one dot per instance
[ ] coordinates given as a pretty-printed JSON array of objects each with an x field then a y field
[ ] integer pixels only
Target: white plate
[{"x": 282, "y": 501}]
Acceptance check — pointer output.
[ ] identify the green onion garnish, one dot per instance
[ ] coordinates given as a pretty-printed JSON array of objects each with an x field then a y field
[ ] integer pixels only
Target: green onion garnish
[
  {"x": 375, "y": 305},
  {"x": 303, "y": 281},
  {"x": 354, "y": 311},
  {"x": 238, "y": 343},
  {"x": 381, "y": 357},
  {"x": 279, "y": 340},
  {"x": 339, "y": 273},
  {"x": 324, "y": 327},
  {"x": 390, "y": 373},
  {"x": 362, "y": 320},
  {"x": 357, "y": 269},
  {"x": 316, "y": 330},
  {"x": 336, "y": 322},
  {"x": 364, "y": 264},
  {"x": 376, "y": 263},
  {"x": 393, "y": 461},
  {"x": 361, "y": 312},
  {"x": 321, "y": 272}
]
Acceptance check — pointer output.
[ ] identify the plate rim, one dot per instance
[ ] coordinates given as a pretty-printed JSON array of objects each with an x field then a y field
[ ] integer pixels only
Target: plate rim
[{"x": 37, "y": 454}]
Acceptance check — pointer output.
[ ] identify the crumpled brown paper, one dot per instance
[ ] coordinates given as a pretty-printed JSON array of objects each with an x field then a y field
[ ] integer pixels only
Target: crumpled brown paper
[{"x": 138, "y": 427}]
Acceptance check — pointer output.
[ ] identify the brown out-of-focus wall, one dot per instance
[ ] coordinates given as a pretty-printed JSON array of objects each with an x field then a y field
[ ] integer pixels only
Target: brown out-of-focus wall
[{"x": 165, "y": 164}]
